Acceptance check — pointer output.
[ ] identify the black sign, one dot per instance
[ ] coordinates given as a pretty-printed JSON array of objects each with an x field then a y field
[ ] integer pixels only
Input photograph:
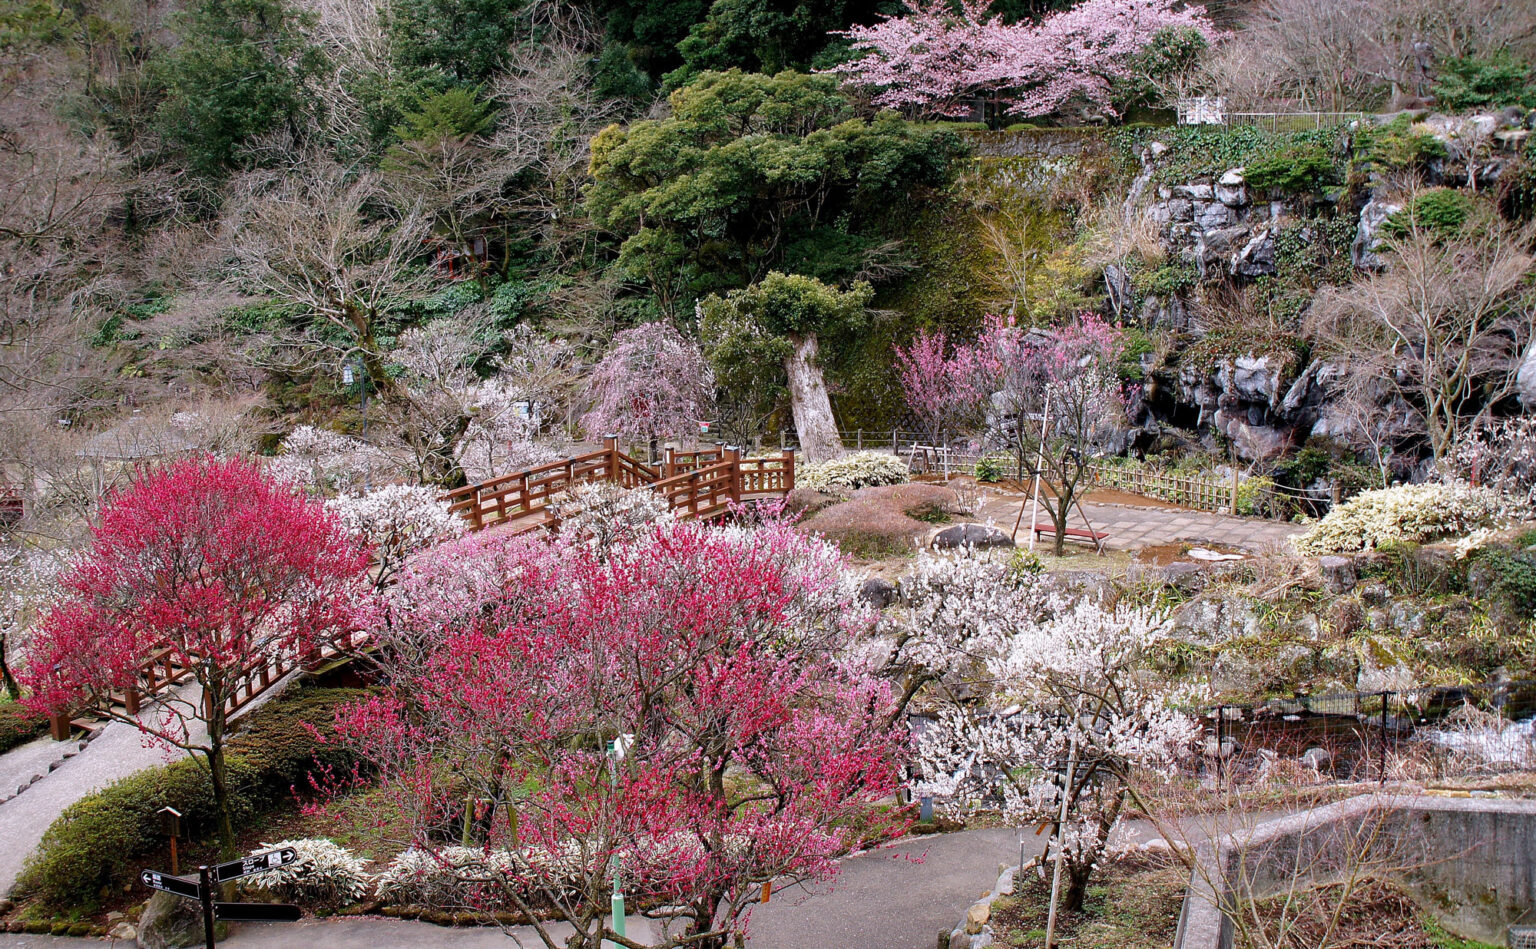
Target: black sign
[
  {"x": 256, "y": 912},
  {"x": 255, "y": 863},
  {"x": 181, "y": 886}
]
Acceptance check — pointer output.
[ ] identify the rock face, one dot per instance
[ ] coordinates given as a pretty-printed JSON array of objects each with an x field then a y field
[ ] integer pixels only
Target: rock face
[
  {"x": 1363, "y": 253},
  {"x": 970, "y": 535},
  {"x": 170, "y": 922},
  {"x": 1339, "y": 574},
  {"x": 877, "y": 593}
]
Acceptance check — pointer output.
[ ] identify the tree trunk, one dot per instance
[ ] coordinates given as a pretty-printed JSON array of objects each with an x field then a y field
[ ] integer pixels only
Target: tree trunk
[
  {"x": 12, "y": 687},
  {"x": 219, "y": 776},
  {"x": 809, "y": 402}
]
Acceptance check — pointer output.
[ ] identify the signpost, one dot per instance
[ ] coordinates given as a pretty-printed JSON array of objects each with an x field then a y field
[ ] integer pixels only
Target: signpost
[{"x": 208, "y": 878}]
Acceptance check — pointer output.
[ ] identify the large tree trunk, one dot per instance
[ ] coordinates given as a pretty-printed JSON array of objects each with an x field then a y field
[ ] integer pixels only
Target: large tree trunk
[{"x": 808, "y": 399}]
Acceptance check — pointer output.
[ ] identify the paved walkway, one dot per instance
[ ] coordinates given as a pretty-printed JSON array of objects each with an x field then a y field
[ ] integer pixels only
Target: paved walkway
[{"x": 1132, "y": 528}]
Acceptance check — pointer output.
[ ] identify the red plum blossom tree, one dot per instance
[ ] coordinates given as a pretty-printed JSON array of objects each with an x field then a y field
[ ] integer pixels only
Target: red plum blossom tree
[
  {"x": 215, "y": 565},
  {"x": 668, "y": 715},
  {"x": 944, "y": 385}
]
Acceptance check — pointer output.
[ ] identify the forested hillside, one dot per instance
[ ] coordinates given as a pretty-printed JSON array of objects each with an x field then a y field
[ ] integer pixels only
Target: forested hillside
[{"x": 430, "y": 218}]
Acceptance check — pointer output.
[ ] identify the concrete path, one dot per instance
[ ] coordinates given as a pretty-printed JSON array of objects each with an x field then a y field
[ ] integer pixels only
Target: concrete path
[{"x": 1132, "y": 528}]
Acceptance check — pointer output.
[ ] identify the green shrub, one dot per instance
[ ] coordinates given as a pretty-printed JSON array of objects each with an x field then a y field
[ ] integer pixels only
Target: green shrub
[
  {"x": 1440, "y": 211},
  {"x": 989, "y": 470},
  {"x": 1398, "y": 145},
  {"x": 1170, "y": 279},
  {"x": 1481, "y": 82},
  {"x": 1303, "y": 168},
  {"x": 1514, "y": 577},
  {"x": 19, "y": 726},
  {"x": 96, "y": 845}
]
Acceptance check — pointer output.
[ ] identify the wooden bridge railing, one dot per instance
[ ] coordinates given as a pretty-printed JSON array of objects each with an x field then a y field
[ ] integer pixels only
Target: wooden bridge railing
[{"x": 695, "y": 483}]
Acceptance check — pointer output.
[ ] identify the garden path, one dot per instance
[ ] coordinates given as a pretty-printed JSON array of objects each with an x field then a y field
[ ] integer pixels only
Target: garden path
[
  {"x": 1132, "y": 527},
  {"x": 118, "y": 751}
]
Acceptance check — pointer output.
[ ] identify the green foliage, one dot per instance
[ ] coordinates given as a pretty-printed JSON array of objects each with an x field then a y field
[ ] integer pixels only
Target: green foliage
[
  {"x": 1482, "y": 82},
  {"x": 1513, "y": 575},
  {"x": 1295, "y": 170},
  {"x": 1439, "y": 211},
  {"x": 1397, "y": 145},
  {"x": 455, "y": 112},
  {"x": 989, "y": 470},
  {"x": 30, "y": 22},
  {"x": 1198, "y": 151},
  {"x": 760, "y": 35},
  {"x": 1252, "y": 493},
  {"x": 97, "y": 844},
  {"x": 1024, "y": 565},
  {"x": 465, "y": 41},
  {"x": 752, "y": 173},
  {"x": 236, "y": 72},
  {"x": 1173, "y": 50},
  {"x": 748, "y": 364},
  {"x": 785, "y": 304},
  {"x": 1134, "y": 345},
  {"x": 18, "y": 725},
  {"x": 1169, "y": 280}
]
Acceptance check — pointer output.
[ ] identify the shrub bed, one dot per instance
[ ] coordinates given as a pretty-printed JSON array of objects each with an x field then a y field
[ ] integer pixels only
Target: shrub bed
[
  {"x": 1413, "y": 513},
  {"x": 859, "y": 470},
  {"x": 19, "y": 726},
  {"x": 97, "y": 844}
]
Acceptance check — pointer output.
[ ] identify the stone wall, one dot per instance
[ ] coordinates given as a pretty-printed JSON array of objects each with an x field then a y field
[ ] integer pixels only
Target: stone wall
[{"x": 1469, "y": 861}]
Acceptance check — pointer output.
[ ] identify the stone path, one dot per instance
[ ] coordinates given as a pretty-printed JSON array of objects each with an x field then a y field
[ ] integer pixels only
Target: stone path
[
  {"x": 118, "y": 751},
  {"x": 1132, "y": 528}
]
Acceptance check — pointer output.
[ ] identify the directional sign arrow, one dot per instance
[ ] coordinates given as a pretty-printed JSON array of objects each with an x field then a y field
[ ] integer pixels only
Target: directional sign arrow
[
  {"x": 181, "y": 886},
  {"x": 255, "y": 863},
  {"x": 257, "y": 912}
]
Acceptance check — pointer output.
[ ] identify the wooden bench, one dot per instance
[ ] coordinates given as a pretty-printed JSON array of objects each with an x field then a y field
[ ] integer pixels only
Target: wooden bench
[{"x": 1073, "y": 533}]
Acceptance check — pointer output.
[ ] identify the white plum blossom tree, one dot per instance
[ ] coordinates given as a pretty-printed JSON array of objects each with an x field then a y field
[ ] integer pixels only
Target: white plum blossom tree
[
  {"x": 328, "y": 462},
  {"x": 396, "y": 520},
  {"x": 29, "y": 578},
  {"x": 1068, "y": 710}
]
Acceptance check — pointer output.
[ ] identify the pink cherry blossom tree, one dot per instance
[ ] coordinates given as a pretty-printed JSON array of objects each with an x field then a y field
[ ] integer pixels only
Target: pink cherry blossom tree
[
  {"x": 652, "y": 383},
  {"x": 937, "y": 59},
  {"x": 669, "y": 715}
]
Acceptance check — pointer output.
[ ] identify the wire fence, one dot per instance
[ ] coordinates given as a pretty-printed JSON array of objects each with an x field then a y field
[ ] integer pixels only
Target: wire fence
[{"x": 1442, "y": 732}]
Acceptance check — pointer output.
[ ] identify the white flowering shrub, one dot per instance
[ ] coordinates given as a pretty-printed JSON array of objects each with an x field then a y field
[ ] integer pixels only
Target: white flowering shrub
[
  {"x": 604, "y": 512},
  {"x": 1415, "y": 513},
  {"x": 327, "y": 462},
  {"x": 325, "y": 875},
  {"x": 859, "y": 470},
  {"x": 396, "y": 521},
  {"x": 1500, "y": 456},
  {"x": 441, "y": 879}
]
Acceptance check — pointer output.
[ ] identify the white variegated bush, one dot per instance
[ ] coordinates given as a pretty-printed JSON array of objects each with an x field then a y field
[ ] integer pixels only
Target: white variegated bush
[
  {"x": 326, "y": 874},
  {"x": 1415, "y": 513},
  {"x": 862, "y": 469},
  {"x": 604, "y": 512}
]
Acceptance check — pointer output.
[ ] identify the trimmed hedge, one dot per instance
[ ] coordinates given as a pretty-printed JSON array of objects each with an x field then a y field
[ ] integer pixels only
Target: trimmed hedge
[
  {"x": 97, "y": 844},
  {"x": 19, "y": 726}
]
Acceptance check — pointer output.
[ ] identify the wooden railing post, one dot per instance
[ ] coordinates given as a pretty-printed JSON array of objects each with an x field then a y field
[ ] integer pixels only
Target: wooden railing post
[
  {"x": 733, "y": 455},
  {"x": 1234, "y": 490},
  {"x": 611, "y": 445},
  {"x": 788, "y": 455},
  {"x": 669, "y": 462},
  {"x": 131, "y": 700},
  {"x": 58, "y": 727}
]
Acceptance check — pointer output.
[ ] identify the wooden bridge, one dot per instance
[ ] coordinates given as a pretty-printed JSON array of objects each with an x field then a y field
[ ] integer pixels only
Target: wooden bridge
[{"x": 694, "y": 484}]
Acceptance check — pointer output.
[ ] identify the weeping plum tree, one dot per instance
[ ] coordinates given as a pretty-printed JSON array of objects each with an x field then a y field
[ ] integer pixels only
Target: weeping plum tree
[
  {"x": 652, "y": 383},
  {"x": 217, "y": 564},
  {"x": 674, "y": 706},
  {"x": 800, "y": 310}
]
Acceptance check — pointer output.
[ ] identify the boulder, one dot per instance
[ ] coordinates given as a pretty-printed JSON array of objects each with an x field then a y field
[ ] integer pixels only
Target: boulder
[
  {"x": 1212, "y": 215},
  {"x": 1196, "y": 191},
  {"x": 124, "y": 932},
  {"x": 1363, "y": 253},
  {"x": 977, "y": 916},
  {"x": 970, "y": 535},
  {"x": 1339, "y": 575},
  {"x": 1257, "y": 258},
  {"x": 1525, "y": 379},
  {"x": 170, "y": 922},
  {"x": 1180, "y": 209},
  {"x": 1210, "y": 619},
  {"x": 1232, "y": 189},
  {"x": 1318, "y": 759},
  {"x": 1214, "y": 247},
  {"x": 877, "y": 592}
]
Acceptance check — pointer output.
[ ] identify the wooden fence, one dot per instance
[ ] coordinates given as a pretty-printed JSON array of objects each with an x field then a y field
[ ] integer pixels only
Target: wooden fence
[
  {"x": 695, "y": 484},
  {"x": 1200, "y": 493}
]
